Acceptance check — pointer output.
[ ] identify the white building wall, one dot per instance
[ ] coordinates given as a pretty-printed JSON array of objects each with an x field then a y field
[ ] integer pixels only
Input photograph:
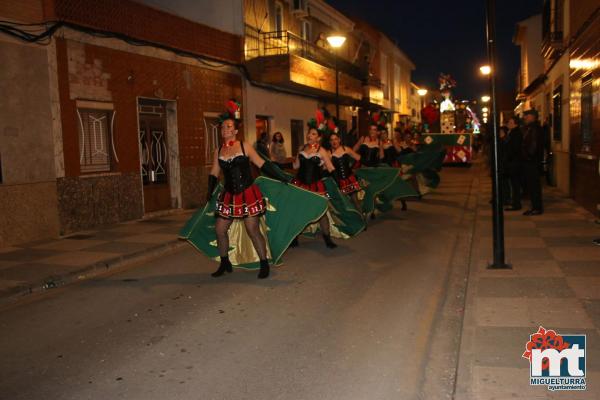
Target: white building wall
[
  {"x": 225, "y": 15},
  {"x": 533, "y": 39},
  {"x": 281, "y": 108}
]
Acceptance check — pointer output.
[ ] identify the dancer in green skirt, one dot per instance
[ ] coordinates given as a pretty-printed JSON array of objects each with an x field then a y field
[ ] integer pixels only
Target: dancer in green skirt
[{"x": 237, "y": 210}]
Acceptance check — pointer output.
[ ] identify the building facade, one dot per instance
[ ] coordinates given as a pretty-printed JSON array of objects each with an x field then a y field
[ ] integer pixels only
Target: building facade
[
  {"x": 565, "y": 91},
  {"x": 528, "y": 37},
  {"x": 291, "y": 67},
  {"x": 112, "y": 114},
  {"x": 584, "y": 102},
  {"x": 117, "y": 119}
]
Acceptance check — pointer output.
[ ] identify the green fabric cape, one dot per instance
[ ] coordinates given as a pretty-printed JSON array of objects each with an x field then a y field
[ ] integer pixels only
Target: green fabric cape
[
  {"x": 426, "y": 165},
  {"x": 398, "y": 190},
  {"x": 374, "y": 180},
  {"x": 345, "y": 220},
  {"x": 289, "y": 210}
]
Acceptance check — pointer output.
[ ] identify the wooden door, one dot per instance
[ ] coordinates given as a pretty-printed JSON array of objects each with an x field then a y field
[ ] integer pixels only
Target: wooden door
[
  {"x": 297, "y": 133},
  {"x": 262, "y": 126},
  {"x": 154, "y": 160}
]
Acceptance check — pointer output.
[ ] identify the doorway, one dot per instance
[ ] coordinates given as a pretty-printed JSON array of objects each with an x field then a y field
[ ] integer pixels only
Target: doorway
[
  {"x": 297, "y": 133},
  {"x": 154, "y": 155},
  {"x": 263, "y": 124}
]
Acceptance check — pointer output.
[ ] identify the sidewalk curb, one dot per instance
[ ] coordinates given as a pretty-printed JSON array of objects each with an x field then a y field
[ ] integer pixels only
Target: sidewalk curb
[{"x": 99, "y": 268}]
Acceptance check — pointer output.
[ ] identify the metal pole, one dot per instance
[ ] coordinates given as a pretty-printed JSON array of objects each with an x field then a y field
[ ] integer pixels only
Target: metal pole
[
  {"x": 497, "y": 210},
  {"x": 337, "y": 88}
]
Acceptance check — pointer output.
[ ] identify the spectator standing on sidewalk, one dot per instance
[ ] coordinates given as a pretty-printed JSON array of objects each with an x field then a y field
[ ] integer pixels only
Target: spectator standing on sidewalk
[
  {"x": 277, "y": 149},
  {"x": 512, "y": 161},
  {"x": 502, "y": 166},
  {"x": 533, "y": 153}
]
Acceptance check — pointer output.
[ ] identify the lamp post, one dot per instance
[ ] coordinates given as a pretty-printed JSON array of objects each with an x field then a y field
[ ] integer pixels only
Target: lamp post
[
  {"x": 490, "y": 70},
  {"x": 336, "y": 41}
]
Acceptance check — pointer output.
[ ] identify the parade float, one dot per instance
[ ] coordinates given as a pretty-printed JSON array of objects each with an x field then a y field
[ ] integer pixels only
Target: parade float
[{"x": 450, "y": 124}]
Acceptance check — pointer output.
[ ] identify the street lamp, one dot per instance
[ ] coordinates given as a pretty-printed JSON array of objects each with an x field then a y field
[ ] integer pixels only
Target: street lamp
[
  {"x": 422, "y": 92},
  {"x": 485, "y": 98},
  {"x": 336, "y": 40},
  {"x": 485, "y": 70}
]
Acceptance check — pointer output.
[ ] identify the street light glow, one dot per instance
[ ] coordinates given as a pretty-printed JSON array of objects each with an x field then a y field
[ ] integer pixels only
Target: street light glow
[
  {"x": 485, "y": 98},
  {"x": 485, "y": 69},
  {"x": 421, "y": 92},
  {"x": 336, "y": 40}
]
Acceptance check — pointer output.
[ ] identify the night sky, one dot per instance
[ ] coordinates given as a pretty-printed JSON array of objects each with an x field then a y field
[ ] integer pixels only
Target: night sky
[{"x": 448, "y": 36}]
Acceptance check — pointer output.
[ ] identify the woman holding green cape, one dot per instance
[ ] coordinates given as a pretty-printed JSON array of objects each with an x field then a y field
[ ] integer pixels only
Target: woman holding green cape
[
  {"x": 343, "y": 158},
  {"x": 376, "y": 178},
  {"x": 242, "y": 200},
  {"x": 310, "y": 161}
]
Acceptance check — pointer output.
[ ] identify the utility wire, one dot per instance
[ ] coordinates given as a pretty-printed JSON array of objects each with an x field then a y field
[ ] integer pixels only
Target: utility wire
[{"x": 16, "y": 30}]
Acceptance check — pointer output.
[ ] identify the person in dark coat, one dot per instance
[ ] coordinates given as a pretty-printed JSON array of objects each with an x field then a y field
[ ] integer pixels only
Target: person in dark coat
[
  {"x": 533, "y": 155},
  {"x": 502, "y": 166},
  {"x": 513, "y": 161}
]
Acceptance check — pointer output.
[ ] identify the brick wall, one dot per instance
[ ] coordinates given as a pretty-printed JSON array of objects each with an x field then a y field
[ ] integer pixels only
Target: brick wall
[
  {"x": 27, "y": 11},
  {"x": 127, "y": 76},
  {"x": 142, "y": 22},
  {"x": 122, "y": 77}
]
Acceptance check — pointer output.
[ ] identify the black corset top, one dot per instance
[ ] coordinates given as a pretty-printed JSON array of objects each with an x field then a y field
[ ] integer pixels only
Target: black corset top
[
  {"x": 369, "y": 156},
  {"x": 390, "y": 154},
  {"x": 237, "y": 173},
  {"x": 310, "y": 170},
  {"x": 343, "y": 166}
]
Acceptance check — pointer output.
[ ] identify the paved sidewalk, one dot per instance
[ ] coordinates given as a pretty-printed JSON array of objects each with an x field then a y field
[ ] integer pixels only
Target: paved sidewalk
[
  {"x": 41, "y": 265},
  {"x": 555, "y": 283}
]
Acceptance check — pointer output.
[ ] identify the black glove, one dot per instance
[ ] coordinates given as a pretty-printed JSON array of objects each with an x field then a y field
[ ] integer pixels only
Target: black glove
[
  {"x": 212, "y": 184},
  {"x": 273, "y": 171}
]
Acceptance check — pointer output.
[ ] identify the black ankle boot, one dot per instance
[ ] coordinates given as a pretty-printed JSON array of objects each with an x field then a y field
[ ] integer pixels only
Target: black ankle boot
[
  {"x": 264, "y": 269},
  {"x": 294, "y": 242},
  {"x": 328, "y": 242},
  {"x": 404, "y": 207},
  {"x": 225, "y": 266}
]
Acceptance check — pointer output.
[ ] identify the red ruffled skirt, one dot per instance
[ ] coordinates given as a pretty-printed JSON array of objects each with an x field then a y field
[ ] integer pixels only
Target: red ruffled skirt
[
  {"x": 248, "y": 203},
  {"x": 315, "y": 187},
  {"x": 350, "y": 185}
]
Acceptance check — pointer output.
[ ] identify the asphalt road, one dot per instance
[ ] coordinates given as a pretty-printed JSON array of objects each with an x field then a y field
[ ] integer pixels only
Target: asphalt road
[{"x": 356, "y": 322}]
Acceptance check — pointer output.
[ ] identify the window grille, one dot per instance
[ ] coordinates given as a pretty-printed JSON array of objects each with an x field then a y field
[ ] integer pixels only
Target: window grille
[
  {"x": 95, "y": 139},
  {"x": 212, "y": 134}
]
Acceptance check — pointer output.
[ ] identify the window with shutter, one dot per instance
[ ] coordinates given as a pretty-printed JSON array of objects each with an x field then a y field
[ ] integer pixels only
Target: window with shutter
[{"x": 95, "y": 140}]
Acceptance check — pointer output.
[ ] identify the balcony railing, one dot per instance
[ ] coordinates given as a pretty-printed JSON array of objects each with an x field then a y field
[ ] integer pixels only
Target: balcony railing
[
  {"x": 266, "y": 44},
  {"x": 552, "y": 44},
  {"x": 552, "y": 28}
]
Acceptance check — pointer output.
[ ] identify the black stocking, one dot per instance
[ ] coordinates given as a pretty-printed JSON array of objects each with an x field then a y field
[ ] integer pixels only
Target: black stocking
[
  {"x": 221, "y": 227},
  {"x": 252, "y": 225},
  {"x": 324, "y": 224}
]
